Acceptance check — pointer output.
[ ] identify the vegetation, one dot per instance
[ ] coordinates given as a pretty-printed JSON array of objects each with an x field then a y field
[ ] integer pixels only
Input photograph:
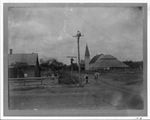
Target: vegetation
[
  {"x": 20, "y": 66},
  {"x": 65, "y": 78},
  {"x": 52, "y": 64},
  {"x": 134, "y": 65}
]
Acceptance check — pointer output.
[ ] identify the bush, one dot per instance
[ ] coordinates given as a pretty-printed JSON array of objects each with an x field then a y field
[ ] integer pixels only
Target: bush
[{"x": 65, "y": 78}]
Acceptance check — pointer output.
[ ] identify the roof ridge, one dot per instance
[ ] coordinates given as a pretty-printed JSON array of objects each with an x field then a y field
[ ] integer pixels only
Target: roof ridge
[
  {"x": 94, "y": 59},
  {"x": 24, "y": 53}
]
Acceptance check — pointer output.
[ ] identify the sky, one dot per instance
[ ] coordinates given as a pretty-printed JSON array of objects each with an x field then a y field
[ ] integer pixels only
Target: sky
[{"x": 48, "y": 31}]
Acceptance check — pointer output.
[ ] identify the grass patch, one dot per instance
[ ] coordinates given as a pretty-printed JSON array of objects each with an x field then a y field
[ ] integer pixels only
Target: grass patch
[
  {"x": 134, "y": 82},
  {"x": 124, "y": 77},
  {"x": 26, "y": 88}
]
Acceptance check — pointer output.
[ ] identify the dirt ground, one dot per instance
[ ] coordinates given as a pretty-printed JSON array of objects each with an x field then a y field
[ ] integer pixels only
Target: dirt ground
[{"x": 108, "y": 92}]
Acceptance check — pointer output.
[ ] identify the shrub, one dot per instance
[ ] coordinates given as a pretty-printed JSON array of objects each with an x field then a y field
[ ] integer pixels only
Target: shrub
[{"x": 65, "y": 78}]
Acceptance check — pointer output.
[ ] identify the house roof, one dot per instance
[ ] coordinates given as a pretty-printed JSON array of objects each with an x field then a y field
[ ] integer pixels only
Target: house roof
[
  {"x": 30, "y": 59},
  {"x": 107, "y": 61},
  {"x": 94, "y": 59},
  {"x": 110, "y": 63},
  {"x": 87, "y": 54},
  {"x": 109, "y": 57}
]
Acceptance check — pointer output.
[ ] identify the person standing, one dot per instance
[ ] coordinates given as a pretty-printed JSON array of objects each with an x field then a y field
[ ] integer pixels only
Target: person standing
[
  {"x": 25, "y": 75},
  {"x": 53, "y": 77},
  {"x": 86, "y": 78},
  {"x": 58, "y": 78},
  {"x": 96, "y": 75}
]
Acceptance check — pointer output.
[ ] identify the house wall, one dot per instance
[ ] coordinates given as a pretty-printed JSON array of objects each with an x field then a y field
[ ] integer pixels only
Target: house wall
[
  {"x": 30, "y": 72},
  {"x": 12, "y": 73},
  {"x": 37, "y": 72},
  {"x": 37, "y": 69},
  {"x": 20, "y": 74},
  {"x": 33, "y": 72},
  {"x": 92, "y": 66}
]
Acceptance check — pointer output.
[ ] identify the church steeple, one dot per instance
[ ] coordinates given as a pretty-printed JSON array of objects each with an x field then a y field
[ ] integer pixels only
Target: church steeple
[
  {"x": 87, "y": 54},
  {"x": 87, "y": 58}
]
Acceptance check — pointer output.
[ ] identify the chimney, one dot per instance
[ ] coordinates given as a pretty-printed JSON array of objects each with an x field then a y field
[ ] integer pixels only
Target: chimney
[{"x": 11, "y": 51}]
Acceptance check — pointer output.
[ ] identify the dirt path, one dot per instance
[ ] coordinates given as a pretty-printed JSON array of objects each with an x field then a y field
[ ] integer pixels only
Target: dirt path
[{"x": 117, "y": 95}]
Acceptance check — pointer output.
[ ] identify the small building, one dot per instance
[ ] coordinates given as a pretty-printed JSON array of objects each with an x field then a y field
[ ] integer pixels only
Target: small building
[
  {"x": 106, "y": 62},
  {"x": 31, "y": 60}
]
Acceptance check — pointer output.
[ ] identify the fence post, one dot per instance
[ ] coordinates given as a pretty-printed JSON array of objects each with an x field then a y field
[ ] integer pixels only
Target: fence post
[
  {"x": 41, "y": 82},
  {"x": 8, "y": 94},
  {"x": 24, "y": 82}
]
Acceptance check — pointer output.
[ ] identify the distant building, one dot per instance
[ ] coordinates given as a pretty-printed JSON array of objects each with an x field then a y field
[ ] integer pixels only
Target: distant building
[
  {"x": 105, "y": 62},
  {"x": 32, "y": 70},
  {"x": 87, "y": 58}
]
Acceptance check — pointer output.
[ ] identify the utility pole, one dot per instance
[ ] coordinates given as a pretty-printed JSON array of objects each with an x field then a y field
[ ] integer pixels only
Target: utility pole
[{"x": 78, "y": 35}]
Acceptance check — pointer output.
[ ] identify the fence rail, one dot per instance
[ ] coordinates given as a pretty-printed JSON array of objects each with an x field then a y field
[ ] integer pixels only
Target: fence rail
[{"x": 28, "y": 79}]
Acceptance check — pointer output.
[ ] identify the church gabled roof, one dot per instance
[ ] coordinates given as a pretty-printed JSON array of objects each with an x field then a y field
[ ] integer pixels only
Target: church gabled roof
[
  {"x": 94, "y": 59},
  {"x": 106, "y": 61},
  {"x": 87, "y": 54}
]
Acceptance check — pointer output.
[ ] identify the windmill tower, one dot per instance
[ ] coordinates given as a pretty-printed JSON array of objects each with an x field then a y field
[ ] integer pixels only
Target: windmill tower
[{"x": 87, "y": 58}]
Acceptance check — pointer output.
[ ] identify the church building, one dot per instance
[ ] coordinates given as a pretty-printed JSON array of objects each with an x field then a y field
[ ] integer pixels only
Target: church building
[{"x": 101, "y": 61}]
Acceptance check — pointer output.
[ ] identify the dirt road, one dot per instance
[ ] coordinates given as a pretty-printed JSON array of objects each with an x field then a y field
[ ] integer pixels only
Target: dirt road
[{"x": 95, "y": 95}]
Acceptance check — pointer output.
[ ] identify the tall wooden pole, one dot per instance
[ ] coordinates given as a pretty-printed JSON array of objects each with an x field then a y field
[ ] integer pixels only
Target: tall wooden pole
[
  {"x": 79, "y": 58},
  {"x": 8, "y": 94},
  {"x": 71, "y": 71},
  {"x": 78, "y": 35}
]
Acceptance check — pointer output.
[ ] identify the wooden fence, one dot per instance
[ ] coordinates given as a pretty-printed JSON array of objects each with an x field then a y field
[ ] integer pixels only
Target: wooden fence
[{"x": 24, "y": 80}]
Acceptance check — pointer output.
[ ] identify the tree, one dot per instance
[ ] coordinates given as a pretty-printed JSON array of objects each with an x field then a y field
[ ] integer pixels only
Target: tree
[
  {"x": 52, "y": 64},
  {"x": 134, "y": 64}
]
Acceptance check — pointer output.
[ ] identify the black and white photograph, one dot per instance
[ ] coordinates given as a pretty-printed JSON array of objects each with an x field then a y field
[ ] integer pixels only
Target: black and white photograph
[{"x": 75, "y": 59}]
